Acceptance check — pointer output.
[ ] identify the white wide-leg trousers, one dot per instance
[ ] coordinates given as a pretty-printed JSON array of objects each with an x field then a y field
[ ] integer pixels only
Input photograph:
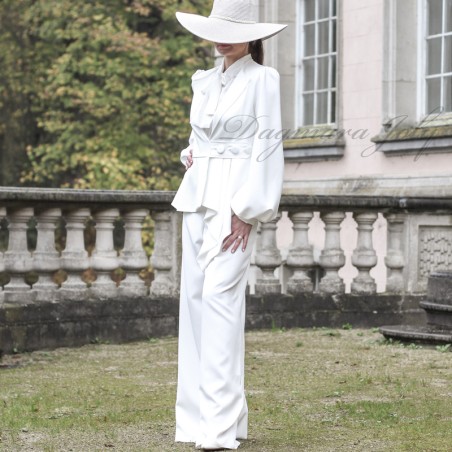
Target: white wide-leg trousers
[{"x": 211, "y": 408}]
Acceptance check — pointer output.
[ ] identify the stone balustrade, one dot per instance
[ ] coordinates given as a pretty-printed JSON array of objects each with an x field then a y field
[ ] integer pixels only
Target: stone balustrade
[
  {"x": 42, "y": 211},
  {"x": 49, "y": 209},
  {"x": 402, "y": 228}
]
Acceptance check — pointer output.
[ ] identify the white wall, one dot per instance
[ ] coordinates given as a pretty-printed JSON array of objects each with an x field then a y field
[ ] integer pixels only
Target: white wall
[{"x": 361, "y": 104}]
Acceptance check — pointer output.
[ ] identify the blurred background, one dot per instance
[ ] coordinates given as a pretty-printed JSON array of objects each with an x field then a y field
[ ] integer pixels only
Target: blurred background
[{"x": 95, "y": 94}]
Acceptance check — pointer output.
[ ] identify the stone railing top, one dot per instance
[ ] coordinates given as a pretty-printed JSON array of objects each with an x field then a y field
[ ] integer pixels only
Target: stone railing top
[
  {"x": 17, "y": 196},
  {"x": 160, "y": 200},
  {"x": 357, "y": 202}
]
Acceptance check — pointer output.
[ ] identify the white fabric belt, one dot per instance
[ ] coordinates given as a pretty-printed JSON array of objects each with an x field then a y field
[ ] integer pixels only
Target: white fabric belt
[{"x": 223, "y": 150}]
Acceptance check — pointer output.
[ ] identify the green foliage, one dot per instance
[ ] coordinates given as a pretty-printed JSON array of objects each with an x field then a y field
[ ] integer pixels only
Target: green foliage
[
  {"x": 443, "y": 348},
  {"x": 108, "y": 89},
  {"x": 18, "y": 85}
]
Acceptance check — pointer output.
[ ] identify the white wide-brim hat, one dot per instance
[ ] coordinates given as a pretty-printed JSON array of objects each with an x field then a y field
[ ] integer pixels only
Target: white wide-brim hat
[{"x": 230, "y": 22}]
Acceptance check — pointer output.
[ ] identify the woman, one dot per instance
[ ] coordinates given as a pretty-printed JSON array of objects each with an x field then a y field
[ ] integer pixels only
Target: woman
[{"x": 234, "y": 172}]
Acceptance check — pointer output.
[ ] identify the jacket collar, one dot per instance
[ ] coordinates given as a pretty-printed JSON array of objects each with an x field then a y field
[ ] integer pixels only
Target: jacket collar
[
  {"x": 240, "y": 78},
  {"x": 231, "y": 72},
  {"x": 207, "y": 87}
]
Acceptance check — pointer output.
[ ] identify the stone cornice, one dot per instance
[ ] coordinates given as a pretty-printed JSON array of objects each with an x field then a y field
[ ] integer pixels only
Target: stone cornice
[
  {"x": 415, "y": 140},
  {"x": 314, "y": 143}
]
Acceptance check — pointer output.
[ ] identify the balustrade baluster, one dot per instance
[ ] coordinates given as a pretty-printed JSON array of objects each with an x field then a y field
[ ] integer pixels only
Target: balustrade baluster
[
  {"x": 268, "y": 258},
  {"x": 2, "y": 262},
  {"x": 364, "y": 256},
  {"x": 133, "y": 257},
  {"x": 161, "y": 259},
  {"x": 46, "y": 259},
  {"x": 300, "y": 257},
  {"x": 18, "y": 260},
  {"x": 394, "y": 260},
  {"x": 332, "y": 257},
  {"x": 104, "y": 258},
  {"x": 74, "y": 258}
]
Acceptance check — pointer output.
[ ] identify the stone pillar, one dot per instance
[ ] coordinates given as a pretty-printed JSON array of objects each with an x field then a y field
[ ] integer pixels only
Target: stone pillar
[
  {"x": 300, "y": 257},
  {"x": 74, "y": 258},
  {"x": 268, "y": 258},
  {"x": 394, "y": 260},
  {"x": 104, "y": 258},
  {"x": 46, "y": 259},
  {"x": 364, "y": 256},
  {"x": 18, "y": 260},
  {"x": 163, "y": 283},
  {"x": 133, "y": 257},
  {"x": 2, "y": 262},
  {"x": 332, "y": 257}
]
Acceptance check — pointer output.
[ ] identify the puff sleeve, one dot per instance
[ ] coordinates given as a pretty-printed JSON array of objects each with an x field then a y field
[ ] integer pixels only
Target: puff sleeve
[
  {"x": 258, "y": 197},
  {"x": 185, "y": 152}
]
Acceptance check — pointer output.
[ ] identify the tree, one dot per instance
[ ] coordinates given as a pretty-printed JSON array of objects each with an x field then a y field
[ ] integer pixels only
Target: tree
[
  {"x": 111, "y": 91},
  {"x": 17, "y": 88}
]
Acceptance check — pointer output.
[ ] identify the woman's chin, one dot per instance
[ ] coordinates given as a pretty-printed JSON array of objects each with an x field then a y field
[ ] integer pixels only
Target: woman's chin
[{"x": 223, "y": 48}]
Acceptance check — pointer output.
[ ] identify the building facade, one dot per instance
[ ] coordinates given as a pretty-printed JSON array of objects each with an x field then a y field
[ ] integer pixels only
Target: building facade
[{"x": 367, "y": 109}]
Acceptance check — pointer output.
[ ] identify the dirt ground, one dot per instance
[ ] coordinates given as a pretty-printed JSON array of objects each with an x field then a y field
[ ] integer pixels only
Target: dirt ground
[{"x": 308, "y": 390}]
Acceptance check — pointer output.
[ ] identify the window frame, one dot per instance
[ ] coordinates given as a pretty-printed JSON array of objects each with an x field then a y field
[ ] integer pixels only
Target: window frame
[
  {"x": 424, "y": 117},
  {"x": 300, "y": 63}
]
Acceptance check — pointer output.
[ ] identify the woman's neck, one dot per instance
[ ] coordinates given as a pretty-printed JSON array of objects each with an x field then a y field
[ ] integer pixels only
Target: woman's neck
[{"x": 230, "y": 60}]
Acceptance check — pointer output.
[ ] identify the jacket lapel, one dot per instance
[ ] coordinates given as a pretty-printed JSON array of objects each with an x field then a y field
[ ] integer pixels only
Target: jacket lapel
[{"x": 236, "y": 90}]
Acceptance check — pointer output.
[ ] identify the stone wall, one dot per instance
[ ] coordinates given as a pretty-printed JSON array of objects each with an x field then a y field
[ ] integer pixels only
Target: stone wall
[{"x": 52, "y": 325}]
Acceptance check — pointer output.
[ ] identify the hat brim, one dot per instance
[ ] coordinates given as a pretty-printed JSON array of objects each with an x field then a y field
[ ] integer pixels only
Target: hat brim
[{"x": 225, "y": 31}]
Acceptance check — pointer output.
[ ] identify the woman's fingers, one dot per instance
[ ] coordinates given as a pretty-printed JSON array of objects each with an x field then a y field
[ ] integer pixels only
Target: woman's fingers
[
  {"x": 245, "y": 242},
  {"x": 238, "y": 236},
  {"x": 228, "y": 241},
  {"x": 189, "y": 162},
  {"x": 236, "y": 240}
]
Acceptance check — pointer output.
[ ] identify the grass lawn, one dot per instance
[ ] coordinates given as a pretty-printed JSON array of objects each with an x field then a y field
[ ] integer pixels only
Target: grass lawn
[{"x": 308, "y": 390}]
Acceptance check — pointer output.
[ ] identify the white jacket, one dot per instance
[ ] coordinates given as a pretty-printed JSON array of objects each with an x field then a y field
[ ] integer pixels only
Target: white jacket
[{"x": 236, "y": 142}]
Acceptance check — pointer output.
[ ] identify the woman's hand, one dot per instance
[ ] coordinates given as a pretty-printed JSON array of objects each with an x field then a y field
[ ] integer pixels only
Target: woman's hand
[
  {"x": 240, "y": 231},
  {"x": 189, "y": 161}
]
